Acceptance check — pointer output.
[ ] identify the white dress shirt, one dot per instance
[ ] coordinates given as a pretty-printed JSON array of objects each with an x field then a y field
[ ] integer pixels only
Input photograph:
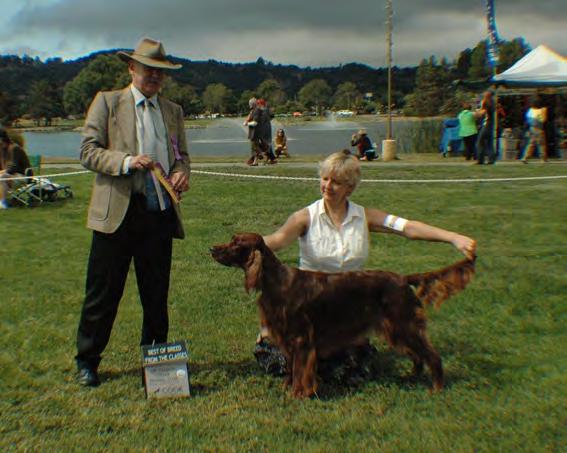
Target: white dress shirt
[{"x": 328, "y": 249}]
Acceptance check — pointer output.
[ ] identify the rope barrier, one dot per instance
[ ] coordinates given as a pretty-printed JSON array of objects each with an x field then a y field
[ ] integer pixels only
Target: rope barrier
[
  {"x": 239, "y": 175},
  {"x": 55, "y": 175},
  {"x": 306, "y": 178},
  {"x": 298, "y": 178}
]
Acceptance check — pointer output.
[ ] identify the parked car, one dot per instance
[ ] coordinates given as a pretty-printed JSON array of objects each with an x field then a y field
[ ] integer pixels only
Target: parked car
[{"x": 345, "y": 113}]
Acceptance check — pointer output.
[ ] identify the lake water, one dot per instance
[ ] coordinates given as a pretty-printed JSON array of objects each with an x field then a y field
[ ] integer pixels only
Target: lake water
[{"x": 227, "y": 137}]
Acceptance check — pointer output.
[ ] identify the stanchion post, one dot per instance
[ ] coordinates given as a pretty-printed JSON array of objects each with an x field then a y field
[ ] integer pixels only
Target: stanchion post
[{"x": 389, "y": 144}]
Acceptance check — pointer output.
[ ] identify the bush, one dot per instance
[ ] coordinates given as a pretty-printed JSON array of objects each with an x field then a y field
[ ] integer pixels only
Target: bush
[{"x": 420, "y": 136}]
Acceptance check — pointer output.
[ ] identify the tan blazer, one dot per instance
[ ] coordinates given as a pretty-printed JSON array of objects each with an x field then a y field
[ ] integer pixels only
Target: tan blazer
[{"x": 109, "y": 135}]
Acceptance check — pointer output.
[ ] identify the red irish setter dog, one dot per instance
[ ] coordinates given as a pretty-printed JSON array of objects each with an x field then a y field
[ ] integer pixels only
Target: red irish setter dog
[{"x": 312, "y": 315}]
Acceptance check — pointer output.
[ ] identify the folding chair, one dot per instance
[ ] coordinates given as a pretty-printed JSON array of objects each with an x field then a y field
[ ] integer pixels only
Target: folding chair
[
  {"x": 36, "y": 188},
  {"x": 35, "y": 164},
  {"x": 21, "y": 191},
  {"x": 47, "y": 190}
]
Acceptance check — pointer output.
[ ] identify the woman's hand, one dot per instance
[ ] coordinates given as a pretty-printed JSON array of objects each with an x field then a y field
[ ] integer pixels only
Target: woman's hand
[{"x": 465, "y": 245}]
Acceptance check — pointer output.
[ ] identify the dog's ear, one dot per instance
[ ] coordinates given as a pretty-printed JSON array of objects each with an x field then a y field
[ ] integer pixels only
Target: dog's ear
[{"x": 253, "y": 271}]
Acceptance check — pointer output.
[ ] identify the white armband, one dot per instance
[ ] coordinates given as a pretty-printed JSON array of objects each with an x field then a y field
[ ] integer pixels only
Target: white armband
[{"x": 395, "y": 223}]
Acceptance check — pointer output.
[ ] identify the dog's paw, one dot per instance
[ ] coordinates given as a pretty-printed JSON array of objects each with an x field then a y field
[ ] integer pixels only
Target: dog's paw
[{"x": 436, "y": 388}]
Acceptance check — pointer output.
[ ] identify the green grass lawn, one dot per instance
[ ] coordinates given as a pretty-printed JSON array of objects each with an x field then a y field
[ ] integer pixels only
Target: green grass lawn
[{"x": 502, "y": 340}]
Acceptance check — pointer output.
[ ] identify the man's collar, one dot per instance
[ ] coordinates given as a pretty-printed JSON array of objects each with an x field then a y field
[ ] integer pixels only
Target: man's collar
[{"x": 139, "y": 96}]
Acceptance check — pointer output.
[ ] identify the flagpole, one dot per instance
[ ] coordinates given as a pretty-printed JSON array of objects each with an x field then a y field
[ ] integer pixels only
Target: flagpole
[
  {"x": 493, "y": 57},
  {"x": 495, "y": 131}
]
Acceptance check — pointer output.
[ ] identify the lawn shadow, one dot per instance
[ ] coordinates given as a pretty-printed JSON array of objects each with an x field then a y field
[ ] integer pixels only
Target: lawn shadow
[
  {"x": 208, "y": 377},
  {"x": 473, "y": 360},
  {"x": 387, "y": 368},
  {"x": 390, "y": 368},
  {"x": 213, "y": 376},
  {"x": 113, "y": 375},
  {"x": 384, "y": 368}
]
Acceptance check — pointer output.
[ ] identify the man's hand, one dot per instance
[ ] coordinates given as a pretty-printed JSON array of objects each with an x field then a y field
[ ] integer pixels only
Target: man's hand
[
  {"x": 180, "y": 181},
  {"x": 140, "y": 162}
]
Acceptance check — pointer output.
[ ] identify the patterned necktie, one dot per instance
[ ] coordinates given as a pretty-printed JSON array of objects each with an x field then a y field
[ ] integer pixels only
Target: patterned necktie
[
  {"x": 154, "y": 193},
  {"x": 149, "y": 136}
]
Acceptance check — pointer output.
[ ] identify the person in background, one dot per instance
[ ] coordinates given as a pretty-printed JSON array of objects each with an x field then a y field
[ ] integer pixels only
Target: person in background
[
  {"x": 13, "y": 164},
  {"x": 280, "y": 143},
  {"x": 264, "y": 131},
  {"x": 536, "y": 117},
  {"x": 485, "y": 145},
  {"x": 127, "y": 133},
  {"x": 333, "y": 234},
  {"x": 251, "y": 123},
  {"x": 363, "y": 144},
  {"x": 468, "y": 130},
  {"x": 259, "y": 122}
]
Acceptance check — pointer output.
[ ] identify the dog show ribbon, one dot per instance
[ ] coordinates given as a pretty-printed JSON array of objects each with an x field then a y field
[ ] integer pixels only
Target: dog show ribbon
[
  {"x": 164, "y": 180},
  {"x": 175, "y": 146}
]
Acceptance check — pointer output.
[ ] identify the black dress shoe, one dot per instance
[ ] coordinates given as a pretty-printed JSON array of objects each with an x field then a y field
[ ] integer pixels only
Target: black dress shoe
[{"x": 87, "y": 377}]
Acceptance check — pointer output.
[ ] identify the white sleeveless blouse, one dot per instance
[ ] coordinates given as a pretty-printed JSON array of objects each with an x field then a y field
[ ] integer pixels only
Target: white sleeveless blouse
[{"x": 325, "y": 248}]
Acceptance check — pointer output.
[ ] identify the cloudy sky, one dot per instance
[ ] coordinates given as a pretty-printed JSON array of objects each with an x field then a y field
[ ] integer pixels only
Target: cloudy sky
[{"x": 302, "y": 32}]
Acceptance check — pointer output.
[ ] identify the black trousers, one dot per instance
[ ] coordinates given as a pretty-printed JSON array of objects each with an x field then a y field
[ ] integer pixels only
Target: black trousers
[
  {"x": 145, "y": 237},
  {"x": 470, "y": 146},
  {"x": 485, "y": 145}
]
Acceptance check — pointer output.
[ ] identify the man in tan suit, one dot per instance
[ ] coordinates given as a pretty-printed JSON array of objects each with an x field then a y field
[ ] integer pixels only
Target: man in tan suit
[{"x": 127, "y": 133}]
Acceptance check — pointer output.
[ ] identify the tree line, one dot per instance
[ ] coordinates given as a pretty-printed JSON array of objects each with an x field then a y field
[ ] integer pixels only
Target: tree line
[{"x": 43, "y": 90}]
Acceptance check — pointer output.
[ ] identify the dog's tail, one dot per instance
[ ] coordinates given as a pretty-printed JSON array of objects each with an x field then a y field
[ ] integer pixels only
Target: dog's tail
[{"x": 437, "y": 286}]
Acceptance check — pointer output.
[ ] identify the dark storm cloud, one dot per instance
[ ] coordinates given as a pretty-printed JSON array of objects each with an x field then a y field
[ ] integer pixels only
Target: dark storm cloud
[{"x": 307, "y": 32}]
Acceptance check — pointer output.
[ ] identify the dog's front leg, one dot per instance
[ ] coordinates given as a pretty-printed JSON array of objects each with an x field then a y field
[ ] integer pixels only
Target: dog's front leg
[
  {"x": 304, "y": 369},
  {"x": 309, "y": 379},
  {"x": 299, "y": 359},
  {"x": 288, "y": 379}
]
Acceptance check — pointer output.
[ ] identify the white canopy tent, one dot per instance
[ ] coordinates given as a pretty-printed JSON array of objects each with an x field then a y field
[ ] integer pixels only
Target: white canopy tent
[
  {"x": 542, "y": 67},
  {"x": 540, "y": 72}
]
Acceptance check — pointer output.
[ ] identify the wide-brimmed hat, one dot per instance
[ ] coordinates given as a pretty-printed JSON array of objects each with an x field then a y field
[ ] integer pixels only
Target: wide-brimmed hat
[{"x": 150, "y": 53}]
